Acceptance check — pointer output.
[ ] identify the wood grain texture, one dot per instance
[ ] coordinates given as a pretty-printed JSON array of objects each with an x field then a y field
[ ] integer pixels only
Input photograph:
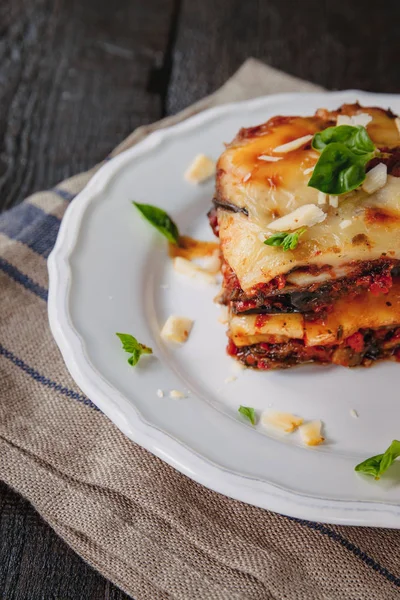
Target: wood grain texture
[
  {"x": 35, "y": 564},
  {"x": 337, "y": 44},
  {"x": 76, "y": 76},
  {"x": 74, "y": 82}
]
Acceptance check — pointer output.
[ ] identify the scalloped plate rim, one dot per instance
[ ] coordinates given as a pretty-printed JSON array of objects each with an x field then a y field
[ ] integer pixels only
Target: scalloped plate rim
[{"x": 109, "y": 400}]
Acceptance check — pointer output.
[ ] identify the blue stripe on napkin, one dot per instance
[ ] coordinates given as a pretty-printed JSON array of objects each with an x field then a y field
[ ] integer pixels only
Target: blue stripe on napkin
[
  {"x": 23, "y": 279},
  {"x": 38, "y": 230},
  {"x": 30, "y": 225},
  {"x": 18, "y": 362},
  {"x": 355, "y": 550},
  {"x": 64, "y": 194}
]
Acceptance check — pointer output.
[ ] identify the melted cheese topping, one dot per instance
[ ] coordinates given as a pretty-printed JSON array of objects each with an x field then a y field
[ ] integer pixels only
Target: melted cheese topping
[
  {"x": 246, "y": 330},
  {"x": 275, "y": 189},
  {"x": 348, "y": 316}
]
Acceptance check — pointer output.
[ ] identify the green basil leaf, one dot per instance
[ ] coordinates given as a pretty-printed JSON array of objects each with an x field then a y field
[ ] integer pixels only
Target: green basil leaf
[
  {"x": 133, "y": 347},
  {"x": 354, "y": 138},
  {"x": 390, "y": 456},
  {"x": 360, "y": 143},
  {"x": 134, "y": 359},
  {"x": 249, "y": 413},
  {"x": 377, "y": 465},
  {"x": 160, "y": 220},
  {"x": 345, "y": 152},
  {"x": 370, "y": 466},
  {"x": 276, "y": 239},
  {"x": 341, "y": 133},
  {"x": 338, "y": 170},
  {"x": 287, "y": 240}
]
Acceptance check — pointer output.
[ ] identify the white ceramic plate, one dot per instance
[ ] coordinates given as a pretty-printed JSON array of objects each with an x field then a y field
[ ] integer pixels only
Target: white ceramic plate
[{"x": 108, "y": 273}]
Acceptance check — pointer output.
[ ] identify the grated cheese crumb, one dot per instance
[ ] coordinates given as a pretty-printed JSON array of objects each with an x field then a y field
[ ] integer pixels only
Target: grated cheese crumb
[
  {"x": 308, "y": 171},
  {"x": 294, "y": 144},
  {"x": 334, "y": 201},
  {"x": 311, "y": 433},
  {"x": 201, "y": 169},
  {"x": 188, "y": 268},
  {"x": 345, "y": 223},
  {"x": 281, "y": 420},
  {"x": 246, "y": 177},
  {"x": 177, "y": 329},
  {"x": 176, "y": 394},
  {"x": 322, "y": 198},
  {"x": 160, "y": 393},
  {"x": 354, "y": 413},
  {"x": 230, "y": 379}
]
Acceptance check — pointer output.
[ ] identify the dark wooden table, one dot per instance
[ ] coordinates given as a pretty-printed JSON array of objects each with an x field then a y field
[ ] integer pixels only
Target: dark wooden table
[{"x": 76, "y": 76}]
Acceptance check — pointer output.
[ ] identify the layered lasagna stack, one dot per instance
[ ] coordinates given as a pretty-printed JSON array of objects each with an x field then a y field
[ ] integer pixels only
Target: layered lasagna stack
[{"x": 310, "y": 246}]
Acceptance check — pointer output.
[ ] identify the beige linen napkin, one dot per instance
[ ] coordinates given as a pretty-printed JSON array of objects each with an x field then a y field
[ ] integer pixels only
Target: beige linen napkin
[{"x": 142, "y": 524}]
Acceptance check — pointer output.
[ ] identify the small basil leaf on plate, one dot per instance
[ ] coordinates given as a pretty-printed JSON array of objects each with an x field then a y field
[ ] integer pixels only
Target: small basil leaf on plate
[
  {"x": 160, "y": 220},
  {"x": 377, "y": 465},
  {"x": 287, "y": 240},
  {"x": 133, "y": 347},
  {"x": 134, "y": 359},
  {"x": 249, "y": 413},
  {"x": 337, "y": 171}
]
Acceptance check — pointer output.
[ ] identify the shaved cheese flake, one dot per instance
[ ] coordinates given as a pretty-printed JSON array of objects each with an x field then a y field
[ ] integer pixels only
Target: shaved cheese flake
[
  {"x": 343, "y": 120},
  {"x": 186, "y": 267},
  {"x": 294, "y": 144},
  {"x": 282, "y": 421},
  {"x": 176, "y": 394},
  {"x": 269, "y": 158},
  {"x": 246, "y": 177},
  {"x": 202, "y": 168},
  {"x": 230, "y": 379},
  {"x": 311, "y": 433},
  {"x": 375, "y": 179},
  {"x": 345, "y": 223},
  {"x": 160, "y": 393},
  {"x": 354, "y": 413},
  {"x": 177, "y": 329},
  {"x": 356, "y": 120},
  {"x": 397, "y": 121},
  {"x": 322, "y": 198},
  {"x": 334, "y": 201},
  {"x": 308, "y": 171},
  {"x": 304, "y": 216},
  {"x": 361, "y": 119}
]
